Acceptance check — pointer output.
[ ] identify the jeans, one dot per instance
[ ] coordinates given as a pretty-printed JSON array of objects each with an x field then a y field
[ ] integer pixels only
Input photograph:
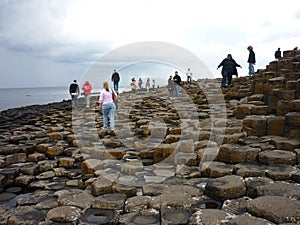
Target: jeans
[
  {"x": 171, "y": 90},
  {"x": 177, "y": 90},
  {"x": 189, "y": 79},
  {"x": 224, "y": 77},
  {"x": 108, "y": 110},
  {"x": 74, "y": 100},
  {"x": 87, "y": 100},
  {"x": 251, "y": 69},
  {"x": 116, "y": 86}
]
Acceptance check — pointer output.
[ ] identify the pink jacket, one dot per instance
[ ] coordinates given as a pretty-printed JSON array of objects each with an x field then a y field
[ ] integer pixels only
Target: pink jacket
[{"x": 87, "y": 88}]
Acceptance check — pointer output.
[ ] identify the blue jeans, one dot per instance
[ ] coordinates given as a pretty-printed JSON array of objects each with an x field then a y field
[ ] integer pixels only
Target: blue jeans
[
  {"x": 177, "y": 90},
  {"x": 74, "y": 100},
  {"x": 108, "y": 110},
  {"x": 224, "y": 77},
  {"x": 251, "y": 69},
  {"x": 116, "y": 86}
]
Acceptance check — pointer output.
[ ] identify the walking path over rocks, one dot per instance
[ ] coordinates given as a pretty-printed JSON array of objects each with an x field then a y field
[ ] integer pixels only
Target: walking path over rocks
[{"x": 212, "y": 156}]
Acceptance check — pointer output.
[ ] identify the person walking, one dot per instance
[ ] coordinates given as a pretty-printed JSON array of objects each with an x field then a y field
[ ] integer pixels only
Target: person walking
[
  {"x": 148, "y": 84},
  {"x": 189, "y": 76},
  {"x": 107, "y": 105},
  {"x": 228, "y": 69},
  {"x": 87, "y": 88},
  {"x": 153, "y": 84},
  {"x": 133, "y": 85},
  {"x": 177, "y": 80},
  {"x": 251, "y": 60},
  {"x": 74, "y": 92},
  {"x": 277, "y": 54},
  {"x": 115, "y": 78},
  {"x": 171, "y": 86},
  {"x": 140, "y": 83}
]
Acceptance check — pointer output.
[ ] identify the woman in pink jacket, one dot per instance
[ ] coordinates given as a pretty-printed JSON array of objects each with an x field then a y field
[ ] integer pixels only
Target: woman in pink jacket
[{"x": 87, "y": 87}]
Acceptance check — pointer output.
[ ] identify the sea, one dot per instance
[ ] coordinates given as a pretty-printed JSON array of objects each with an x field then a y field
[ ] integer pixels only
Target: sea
[{"x": 18, "y": 97}]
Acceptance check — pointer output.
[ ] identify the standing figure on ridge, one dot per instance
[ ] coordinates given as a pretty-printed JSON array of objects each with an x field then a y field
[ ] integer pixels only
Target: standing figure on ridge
[
  {"x": 115, "y": 78},
  {"x": 133, "y": 85},
  {"x": 140, "y": 83},
  {"x": 87, "y": 87},
  {"x": 228, "y": 69},
  {"x": 189, "y": 76},
  {"x": 148, "y": 84},
  {"x": 170, "y": 86},
  {"x": 251, "y": 60},
  {"x": 278, "y": 54},
  {"x": 74, "y": 92},
  {"x": 153, "y": 84},
  {"x": 177, "y": 80}
]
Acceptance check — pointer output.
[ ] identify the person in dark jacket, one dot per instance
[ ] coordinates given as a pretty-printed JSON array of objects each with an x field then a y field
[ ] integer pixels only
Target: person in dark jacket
[
  {"x": 251, "y": 60},
  {"x": 74, "y": 92},
  {"x": 228, "y": 69},
  {"x": 177, "y": 80},
  {"x": 278, "y": 54},
  {"x": 115, "y": 78},
  {"x": 171, "y": 86}
]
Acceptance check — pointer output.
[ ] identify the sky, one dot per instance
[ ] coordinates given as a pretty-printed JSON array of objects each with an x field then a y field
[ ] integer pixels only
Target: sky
[{"x": 51, "y": 42}]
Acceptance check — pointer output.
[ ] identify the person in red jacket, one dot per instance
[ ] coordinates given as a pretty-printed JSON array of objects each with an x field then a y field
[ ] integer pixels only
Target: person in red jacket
[{"x": 87, "y": 88}]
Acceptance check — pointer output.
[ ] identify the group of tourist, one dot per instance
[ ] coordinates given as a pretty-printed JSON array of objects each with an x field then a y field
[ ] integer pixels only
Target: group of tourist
[
  {"x": 229, "y": 66},
  {"x": 108, "y": 96},
  {"x": 75, "y": 93}
]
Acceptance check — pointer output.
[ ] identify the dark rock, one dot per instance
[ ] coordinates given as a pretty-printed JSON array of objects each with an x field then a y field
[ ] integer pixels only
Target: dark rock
[
  {"x": 252, "y": 183},
  {"x": 145, "y": 217},
  {"x": 26, "y": 215},
  {"x": 99, "y": 216},
  {"x": 277, "y": 157},
  {"x": 274, "y": 208},
  {"x": 110, "y": 201},
  {"x": 170, "y": 216},
  {"x": 64, "y": 214},
  {"x": 227, "y": 187},
  {"x": 280, "y": 189},
  {"x": 209, "y": 216}
]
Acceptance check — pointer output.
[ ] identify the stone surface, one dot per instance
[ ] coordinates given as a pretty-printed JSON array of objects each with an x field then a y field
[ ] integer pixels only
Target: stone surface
[
  {"x": 227, "y": 187},
  {"x": 64, "y": 214},
  {"x": 274, "y": 208},
  {"x": 277, "y": 157}
]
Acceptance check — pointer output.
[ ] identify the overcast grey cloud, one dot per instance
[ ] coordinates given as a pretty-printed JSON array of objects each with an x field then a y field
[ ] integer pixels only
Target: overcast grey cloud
[{"x": 51, "y": 42}]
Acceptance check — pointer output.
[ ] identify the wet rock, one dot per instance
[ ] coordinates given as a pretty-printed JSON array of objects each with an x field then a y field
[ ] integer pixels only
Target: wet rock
[
  {"x": 6, "y": 196},
  {"x": 80, "y": 199},
  {"x": 209, "y": 217},
  {"x": 26, "y": 215},
  {"x": 47, "y": 203},
  {"x": 64, "y": 214},
  {"x": 236, "y": 206},
  {"x": 252, "y": 183},
  {"x": 101, "y": 186},
  {"x": 283, "y": 143},
  {"x": 46, "y": 165},
  {"x": 274, "y": 208},
  {"x": 89, "y": 166},
  {"x": 99, "y": 216},
  {"x": 110, "y": 201},
  {"x": 229, "y": 153},
  {"x": 125, "y": 189},
  {"x": 34, "y": 198},
  {"x": 153, "y": 189},
  {"x": 16, "y": 158},
  {"x": 216, "y": 169},
  {"x": 137, "y": 203},
  {"x": 277, "y": 157},
  {"x": 170, "y": 216},
  {"x": 280, "y": 189},
  {"x": 250, "y": 170},
  {"x": 66, "y": 162},
  {"x": 24, "y": 180},
  {"x": 296, "y": 177},
  {"x": 35, "y": 157},
  {"x": 280, "y": 172},
  {"x": 45, "y": 175},
  {"x": 247, "y": 219},
  {"x": 227, "y": 187},
  {"x": 293, "y": 118},
  {"x": 145, "y": 217},
  {"x": 255, "y": 125}
]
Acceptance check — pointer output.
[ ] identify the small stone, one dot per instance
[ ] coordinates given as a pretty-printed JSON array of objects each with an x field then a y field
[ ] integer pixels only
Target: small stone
[{"x": 66, "y": 162}]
